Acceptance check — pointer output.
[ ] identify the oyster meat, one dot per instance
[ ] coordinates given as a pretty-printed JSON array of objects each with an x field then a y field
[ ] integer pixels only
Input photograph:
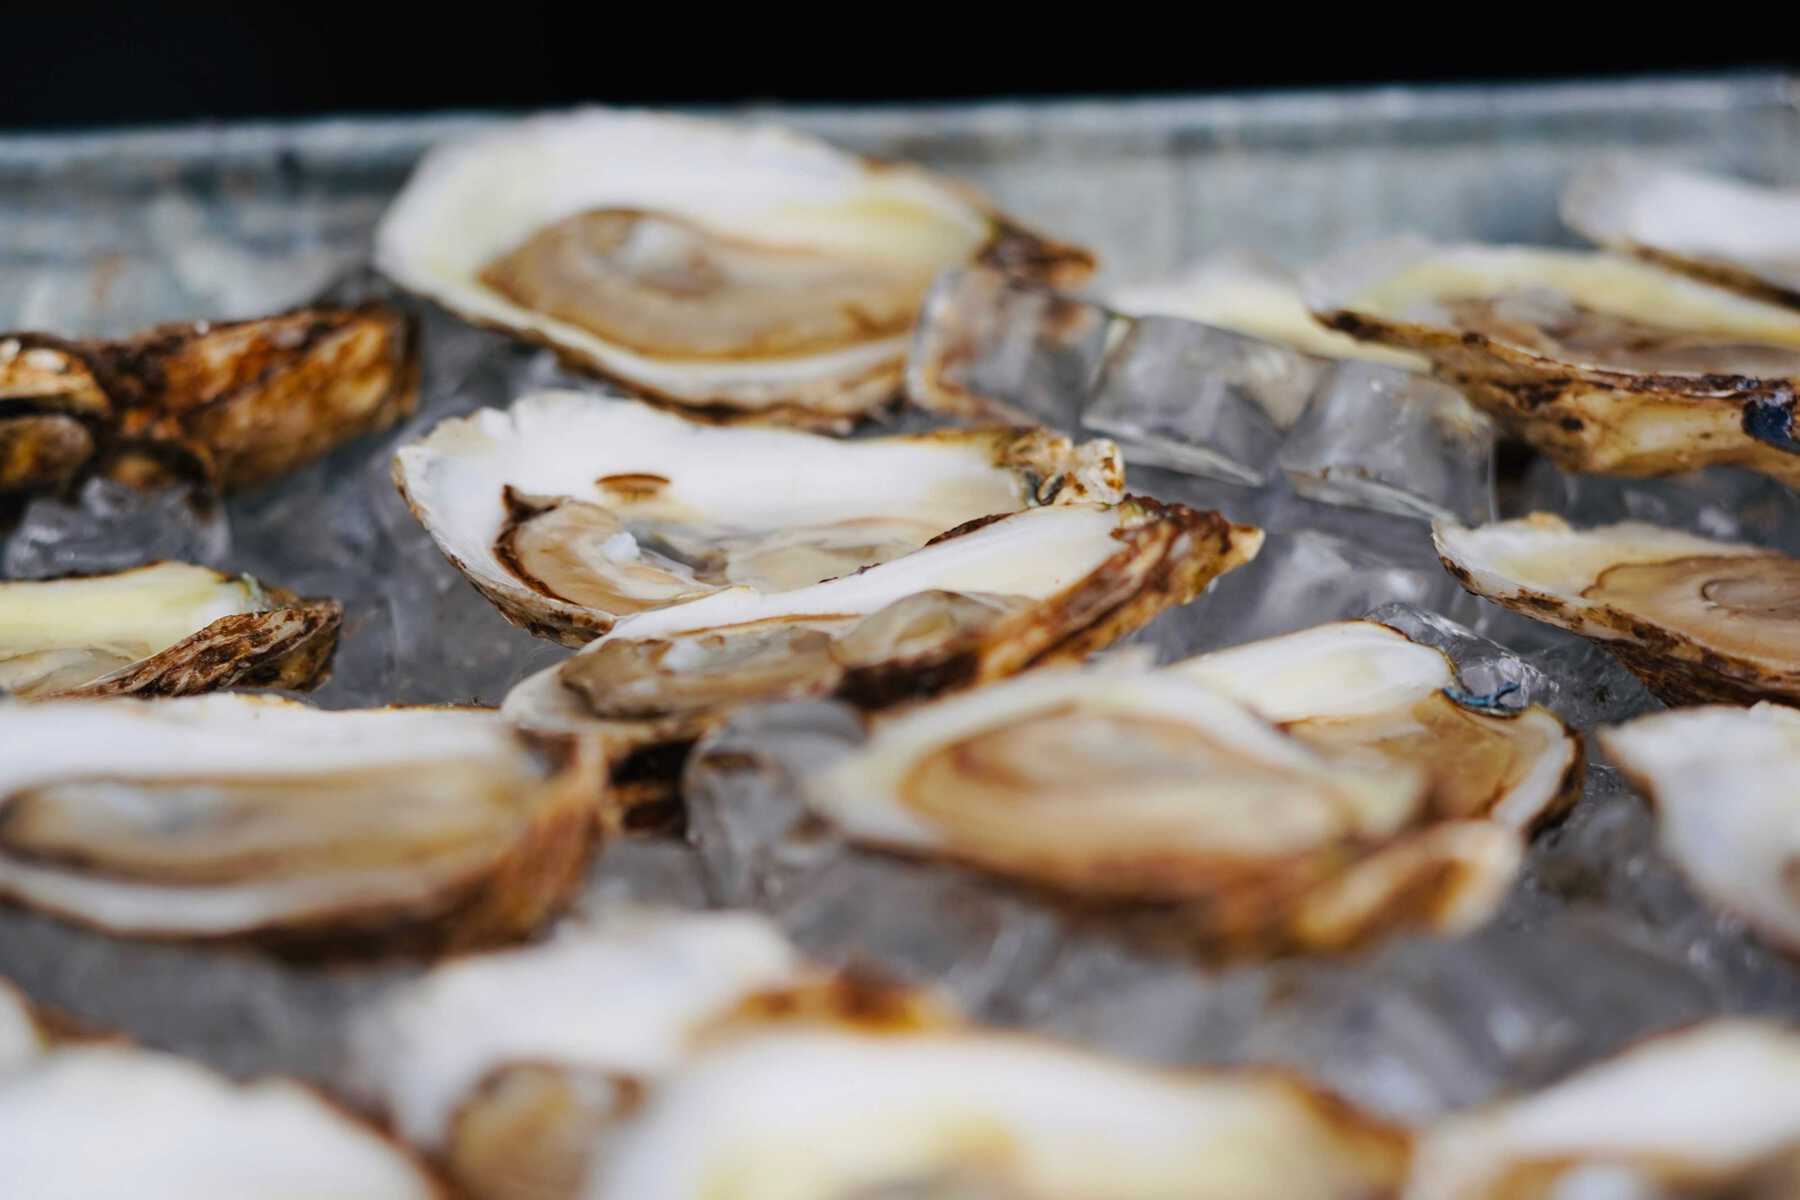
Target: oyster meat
[
  {"x": 1041, "y": 586},
  {"x": 511, "y": 1067},
  {"x": 1704, "y": 1113},
  {"x": 569, "y": 511},
  {"x": 244, "y": 817},
  {"x": 160, "y": 630},
  {"x": 747, "y": 271},
  {"x": 229, "y": 403},
  {"x": 1695, "y": 619},
  {"x": 1725, "y": 784},
  {"x": 1726, "y": 231},
  {"x": 1602, "y": 362}
]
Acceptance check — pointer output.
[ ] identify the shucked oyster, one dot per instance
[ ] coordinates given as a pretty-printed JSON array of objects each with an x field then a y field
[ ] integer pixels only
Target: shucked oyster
[
  {"x": 251, "y": 817},
  {"x": 747, "y": 271},
  {"x": 1726, "y": 231},
  {"x": 1693, "y": 618},
  {"x": 1045, "y": 585},
  {"x": 165, "y": 629},
  {"x": 232, "y": 403},
  {"x": 1602, "y": 362},
  {"x": 1725, "y": 783},
  {"x": 1702, "y": 1114},
  {"x": 570, "y": 512},
  {"x": 511, "y": 1068}
]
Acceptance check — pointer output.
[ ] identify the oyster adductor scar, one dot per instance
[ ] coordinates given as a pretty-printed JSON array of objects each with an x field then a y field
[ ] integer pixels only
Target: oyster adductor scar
[
  {"x": 166, "y": 629},
  {"x": 570, "y": 512},
  {"x": 1602, "y": 362},
  {"x": 1702, "y": 1113},
  {"x": 1696, "y": 619},
  {"x": 230, "y": 403},
  {"x": 1041, "y": 586},
  {"x": 1725, "y": 787},
  {"x": 316, "y": 833},
  {"x": 1732, "y": 232},
  {"x": 747, "y": 271}
]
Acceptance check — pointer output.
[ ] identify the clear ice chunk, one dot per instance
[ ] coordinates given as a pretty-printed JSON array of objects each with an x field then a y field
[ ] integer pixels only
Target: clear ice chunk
[
  {"x": 1381, "y": 437},
  {"x": 109, "y": 526}
]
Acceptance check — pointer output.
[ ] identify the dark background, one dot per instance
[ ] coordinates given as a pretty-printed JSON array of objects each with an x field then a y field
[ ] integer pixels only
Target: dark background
[{"x": 67, "y": 65}]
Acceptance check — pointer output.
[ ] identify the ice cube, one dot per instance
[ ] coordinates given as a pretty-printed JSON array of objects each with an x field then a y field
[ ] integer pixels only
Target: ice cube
[{"x": 110, "y": 526}]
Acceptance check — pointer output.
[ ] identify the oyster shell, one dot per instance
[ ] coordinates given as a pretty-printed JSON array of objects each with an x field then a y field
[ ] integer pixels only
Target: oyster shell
[
  {"x": 101, "y": 1121},
  {"x": 231, "y": 403},
  {"x": 745, "y": 271},
  {"x": 511, "y": 1068},
  {"x": 1698, "y": 1114},
  {"x": 570, "y": 512},
  {"x": 1725, "y": 784},
  {"x": 1726, "y": 231},
  {"x": 1694, "y": 618},
  {"x": 1045, "y": 585},
  {"x": 235, "y": 817},
  {"x": 1602, "y": 362},
  {"x": 165, "y": 629}
]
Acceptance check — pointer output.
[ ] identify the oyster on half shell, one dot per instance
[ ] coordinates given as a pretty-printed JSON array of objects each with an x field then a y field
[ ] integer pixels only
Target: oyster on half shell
[
  {"x": 1602, "y": 362},
  {"x": 570, "y": 512},
  {"x": 160, "y": 630},
  {"x": 1726, "y": 231},
  {"x": 747, "y": 271},
  {"x": 244, "y": 817},
  {"x": 1725, "y": 785},
  {"x": 1695, "y": 619},
  {"x": 994, "y": 598}
]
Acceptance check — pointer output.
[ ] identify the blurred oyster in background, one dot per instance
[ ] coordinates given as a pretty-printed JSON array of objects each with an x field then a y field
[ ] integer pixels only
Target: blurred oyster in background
[
  {"x": 570, "y": 511},
  {"x": 742, "y": 270},
  {"x": 1727, "y": 231},
  {"x": 240, "y": 817},
  {"x": 1601, "y": 362},
  {"x": 231, "y": 404},
  {"x": 1725, "y": 783},
  {"x": 1710, "y": 1111},
  {"x": 1695, "y": 619}
]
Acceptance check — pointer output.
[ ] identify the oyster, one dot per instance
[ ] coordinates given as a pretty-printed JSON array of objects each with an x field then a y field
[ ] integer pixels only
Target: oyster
[
  {"x": 1725, "y": 231},
  {"x": 1695, "y": 619},
  {"x": 1363, "y": 688},
  {"x": 231, "y": 403},
  {"x": 511, "y": 1067},
  {"x": 994, "y": 598},
  {"x": 165, "y": 629},
  {"x": 569, "y": 511},
  {"x": 100, "y": 1121},
  {"x": 1159, "y": 789},
  {"x": 1602, "y": 362},
  {"x": 1725, "y": 783},
  {"x": 1703, "y": 1113},
  {"x": 232, "y": 816},
  {"x": 746, "y": 271}
]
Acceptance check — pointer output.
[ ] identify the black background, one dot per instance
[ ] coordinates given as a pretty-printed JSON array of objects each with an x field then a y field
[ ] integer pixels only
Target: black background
[{"x": 67, "y": 65}]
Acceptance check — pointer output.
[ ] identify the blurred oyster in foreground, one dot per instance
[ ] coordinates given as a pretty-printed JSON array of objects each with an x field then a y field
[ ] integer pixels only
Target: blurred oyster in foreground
[
  {"x": 1725, "y": 783},
  {"x": 1603, "y": 363},
  {"x": 101, "y": 1121},
  {"x": 744, "y": 270},
  {"x": 228, "y": 817},
  {"x": 569, "y": 511},
  {"x": 1695, "y": 619},
  {"x": 877, "y": 1107},
  {"x": 231, "y": 403},
  {"x": 986, "y": 601},
  {"x": 1726, "y": 231},
  {"x": 1709, "y": 1112},
  {"x": 163, "y": 630},
  {"x": 511, "y": 1068}
]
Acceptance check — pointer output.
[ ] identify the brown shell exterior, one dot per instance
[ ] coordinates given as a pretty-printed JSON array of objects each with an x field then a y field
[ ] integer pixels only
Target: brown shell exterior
[
  {"x": 232, "y": 404},
  {"x": 1585, "y": 419}
]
